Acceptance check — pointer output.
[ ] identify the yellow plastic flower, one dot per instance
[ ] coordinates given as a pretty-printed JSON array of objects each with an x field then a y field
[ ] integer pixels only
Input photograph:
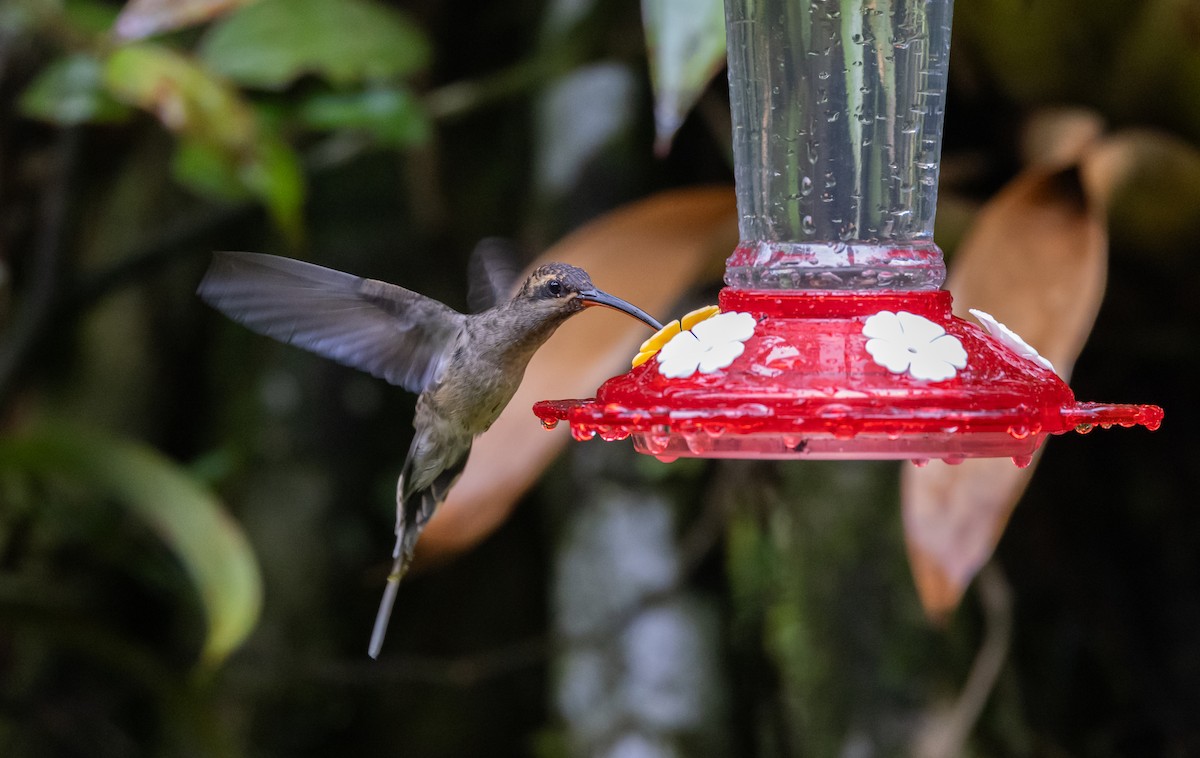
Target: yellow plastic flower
[{"x": 651, "y": 346}]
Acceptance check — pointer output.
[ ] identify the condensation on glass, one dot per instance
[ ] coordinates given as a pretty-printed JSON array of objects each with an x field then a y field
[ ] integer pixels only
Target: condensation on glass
[{"x": 837, "y": 120}]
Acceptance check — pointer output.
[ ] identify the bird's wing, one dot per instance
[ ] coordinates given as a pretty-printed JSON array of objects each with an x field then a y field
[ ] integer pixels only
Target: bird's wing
[
  {"x": 492, "y": 272},
  {"x": 385, "y": 330}
]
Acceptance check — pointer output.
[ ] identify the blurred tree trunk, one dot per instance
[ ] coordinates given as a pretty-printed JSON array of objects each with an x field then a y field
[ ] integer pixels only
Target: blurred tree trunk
[
  {"x": 823, "y": 600},
  {"x": 640, "y": 672}
]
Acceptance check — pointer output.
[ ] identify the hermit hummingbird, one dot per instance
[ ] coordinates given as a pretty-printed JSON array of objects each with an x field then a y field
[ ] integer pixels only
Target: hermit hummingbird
[{"x": 465, "y": 367}]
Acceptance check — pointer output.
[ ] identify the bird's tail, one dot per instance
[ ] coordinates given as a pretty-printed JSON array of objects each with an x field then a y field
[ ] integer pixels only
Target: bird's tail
[
  {"x": 401, "y": 558},
  {"x": 414, "y": 509}
]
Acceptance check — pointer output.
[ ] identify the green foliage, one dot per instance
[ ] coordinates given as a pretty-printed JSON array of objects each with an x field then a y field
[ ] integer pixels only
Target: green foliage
[
  {"x": 71, "y": 91},
  {"x": 226, "y": 148},
  {"x": 216, "y": 122},
  {"x": 90, "y": 16},
  {"x": 392, "y": 115},
  {"x": 186, "y": 97},
  {"x": 186, "y": 516},
  {"x": 685, "y": 42},
  {"x": 1138, "y": 61},
  {"x": 271, "y": 43},
  {"x": 1157, "y": 71},
  {"x": 273, "y": 173},
  {"x": 206, "y": 169}
]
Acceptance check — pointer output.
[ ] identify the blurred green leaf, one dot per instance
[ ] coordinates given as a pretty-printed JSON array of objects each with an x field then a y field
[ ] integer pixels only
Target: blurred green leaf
[
  {"x": 69, "y": 22},
  {"x": 222, "y": 136},
  {"x": 185, "y": 515},
  {"x": 273, "y": 173},
  {"x": 70, "y": 91},
  {"x": 390, "y": 114},
  {"x": 186, "y": 98},
  {"x": 24, "y": 15},
  {"x": 144, "y": 18},
  {"x": 1050, "y": 51},
  {"x": 207, "y": 170},
  {"x": 1157, "y": 71},
  {"x": 685, "y": 40},
  {"x": 90, "y": 16},
  {"x": 273, "y": 42}
]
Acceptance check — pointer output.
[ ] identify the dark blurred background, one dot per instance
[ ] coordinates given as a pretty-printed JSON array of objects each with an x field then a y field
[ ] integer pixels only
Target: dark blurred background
[{"x": 163, "y": 471}]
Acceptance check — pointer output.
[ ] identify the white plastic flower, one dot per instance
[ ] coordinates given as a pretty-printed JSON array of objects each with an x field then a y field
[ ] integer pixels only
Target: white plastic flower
[
  {"x": 1010, "y": 339},
  {"x": 710, "y": 345},
  {"x": 651, "y": 346},
  {"x": 907, "y": 343}
]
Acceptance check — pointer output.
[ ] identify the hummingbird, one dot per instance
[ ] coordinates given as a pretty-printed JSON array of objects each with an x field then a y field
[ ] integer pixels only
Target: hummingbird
[{"x": 465, "y": 368}]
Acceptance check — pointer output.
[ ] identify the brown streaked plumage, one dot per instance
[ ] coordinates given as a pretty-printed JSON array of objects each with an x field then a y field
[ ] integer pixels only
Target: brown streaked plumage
[{"x": 465, "y": 367}]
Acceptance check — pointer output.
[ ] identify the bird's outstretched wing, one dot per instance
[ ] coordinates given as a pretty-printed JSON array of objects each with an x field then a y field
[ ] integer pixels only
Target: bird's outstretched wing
[
  {"x": 385, "y": 330},
  {"x": 492, "y": 271}
]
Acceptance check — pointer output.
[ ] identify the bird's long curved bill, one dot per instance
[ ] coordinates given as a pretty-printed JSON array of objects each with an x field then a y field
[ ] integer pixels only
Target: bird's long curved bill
[{"x": 599, "y": 297}]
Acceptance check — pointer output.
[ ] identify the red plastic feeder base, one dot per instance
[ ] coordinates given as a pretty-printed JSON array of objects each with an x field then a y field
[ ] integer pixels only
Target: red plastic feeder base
[{"x": 807, "y": 387}]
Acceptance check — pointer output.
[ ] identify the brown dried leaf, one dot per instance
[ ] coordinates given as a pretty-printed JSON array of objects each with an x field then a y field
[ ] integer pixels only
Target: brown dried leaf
[
  {"x": 1060, "y": 136},
  {"x": 1036, "y": 259},
  {"x": 648, "y": 253},
  {"x": 144, "y": 18}
]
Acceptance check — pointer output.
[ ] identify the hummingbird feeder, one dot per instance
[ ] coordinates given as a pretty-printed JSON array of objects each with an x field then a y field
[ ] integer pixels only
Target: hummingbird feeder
[{"x": 834, "y": 339}]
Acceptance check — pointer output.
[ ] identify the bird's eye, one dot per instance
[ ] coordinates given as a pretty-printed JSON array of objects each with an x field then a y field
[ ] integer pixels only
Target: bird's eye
[{"x": 554, "y": 287}]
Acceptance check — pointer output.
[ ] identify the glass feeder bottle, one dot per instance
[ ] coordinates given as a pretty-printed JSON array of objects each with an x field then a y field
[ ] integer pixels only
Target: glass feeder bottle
[{"x": 837, "y": 127}]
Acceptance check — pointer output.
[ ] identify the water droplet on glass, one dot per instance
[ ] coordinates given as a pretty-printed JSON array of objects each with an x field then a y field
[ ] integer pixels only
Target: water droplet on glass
[
  {"x": 613, "y": 433},
  {"x": 794, "y": 442},
  {"x": 697, "y": 441},
  {"x": 807, "y": 225},
  {"x": 806, "y": 186},
  {"x": 654, "y": 443}
]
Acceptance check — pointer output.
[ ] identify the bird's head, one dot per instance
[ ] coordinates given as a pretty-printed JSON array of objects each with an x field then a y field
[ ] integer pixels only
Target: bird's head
[{"x": 557, "y": 290}]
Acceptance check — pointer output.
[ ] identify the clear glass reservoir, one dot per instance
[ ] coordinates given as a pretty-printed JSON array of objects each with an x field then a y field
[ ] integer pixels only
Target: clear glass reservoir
[{"x": 837, "y": 128}]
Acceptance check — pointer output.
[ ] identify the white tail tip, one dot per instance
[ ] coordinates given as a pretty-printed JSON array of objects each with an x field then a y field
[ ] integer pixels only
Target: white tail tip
[{"x": 383, "y": 616}]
